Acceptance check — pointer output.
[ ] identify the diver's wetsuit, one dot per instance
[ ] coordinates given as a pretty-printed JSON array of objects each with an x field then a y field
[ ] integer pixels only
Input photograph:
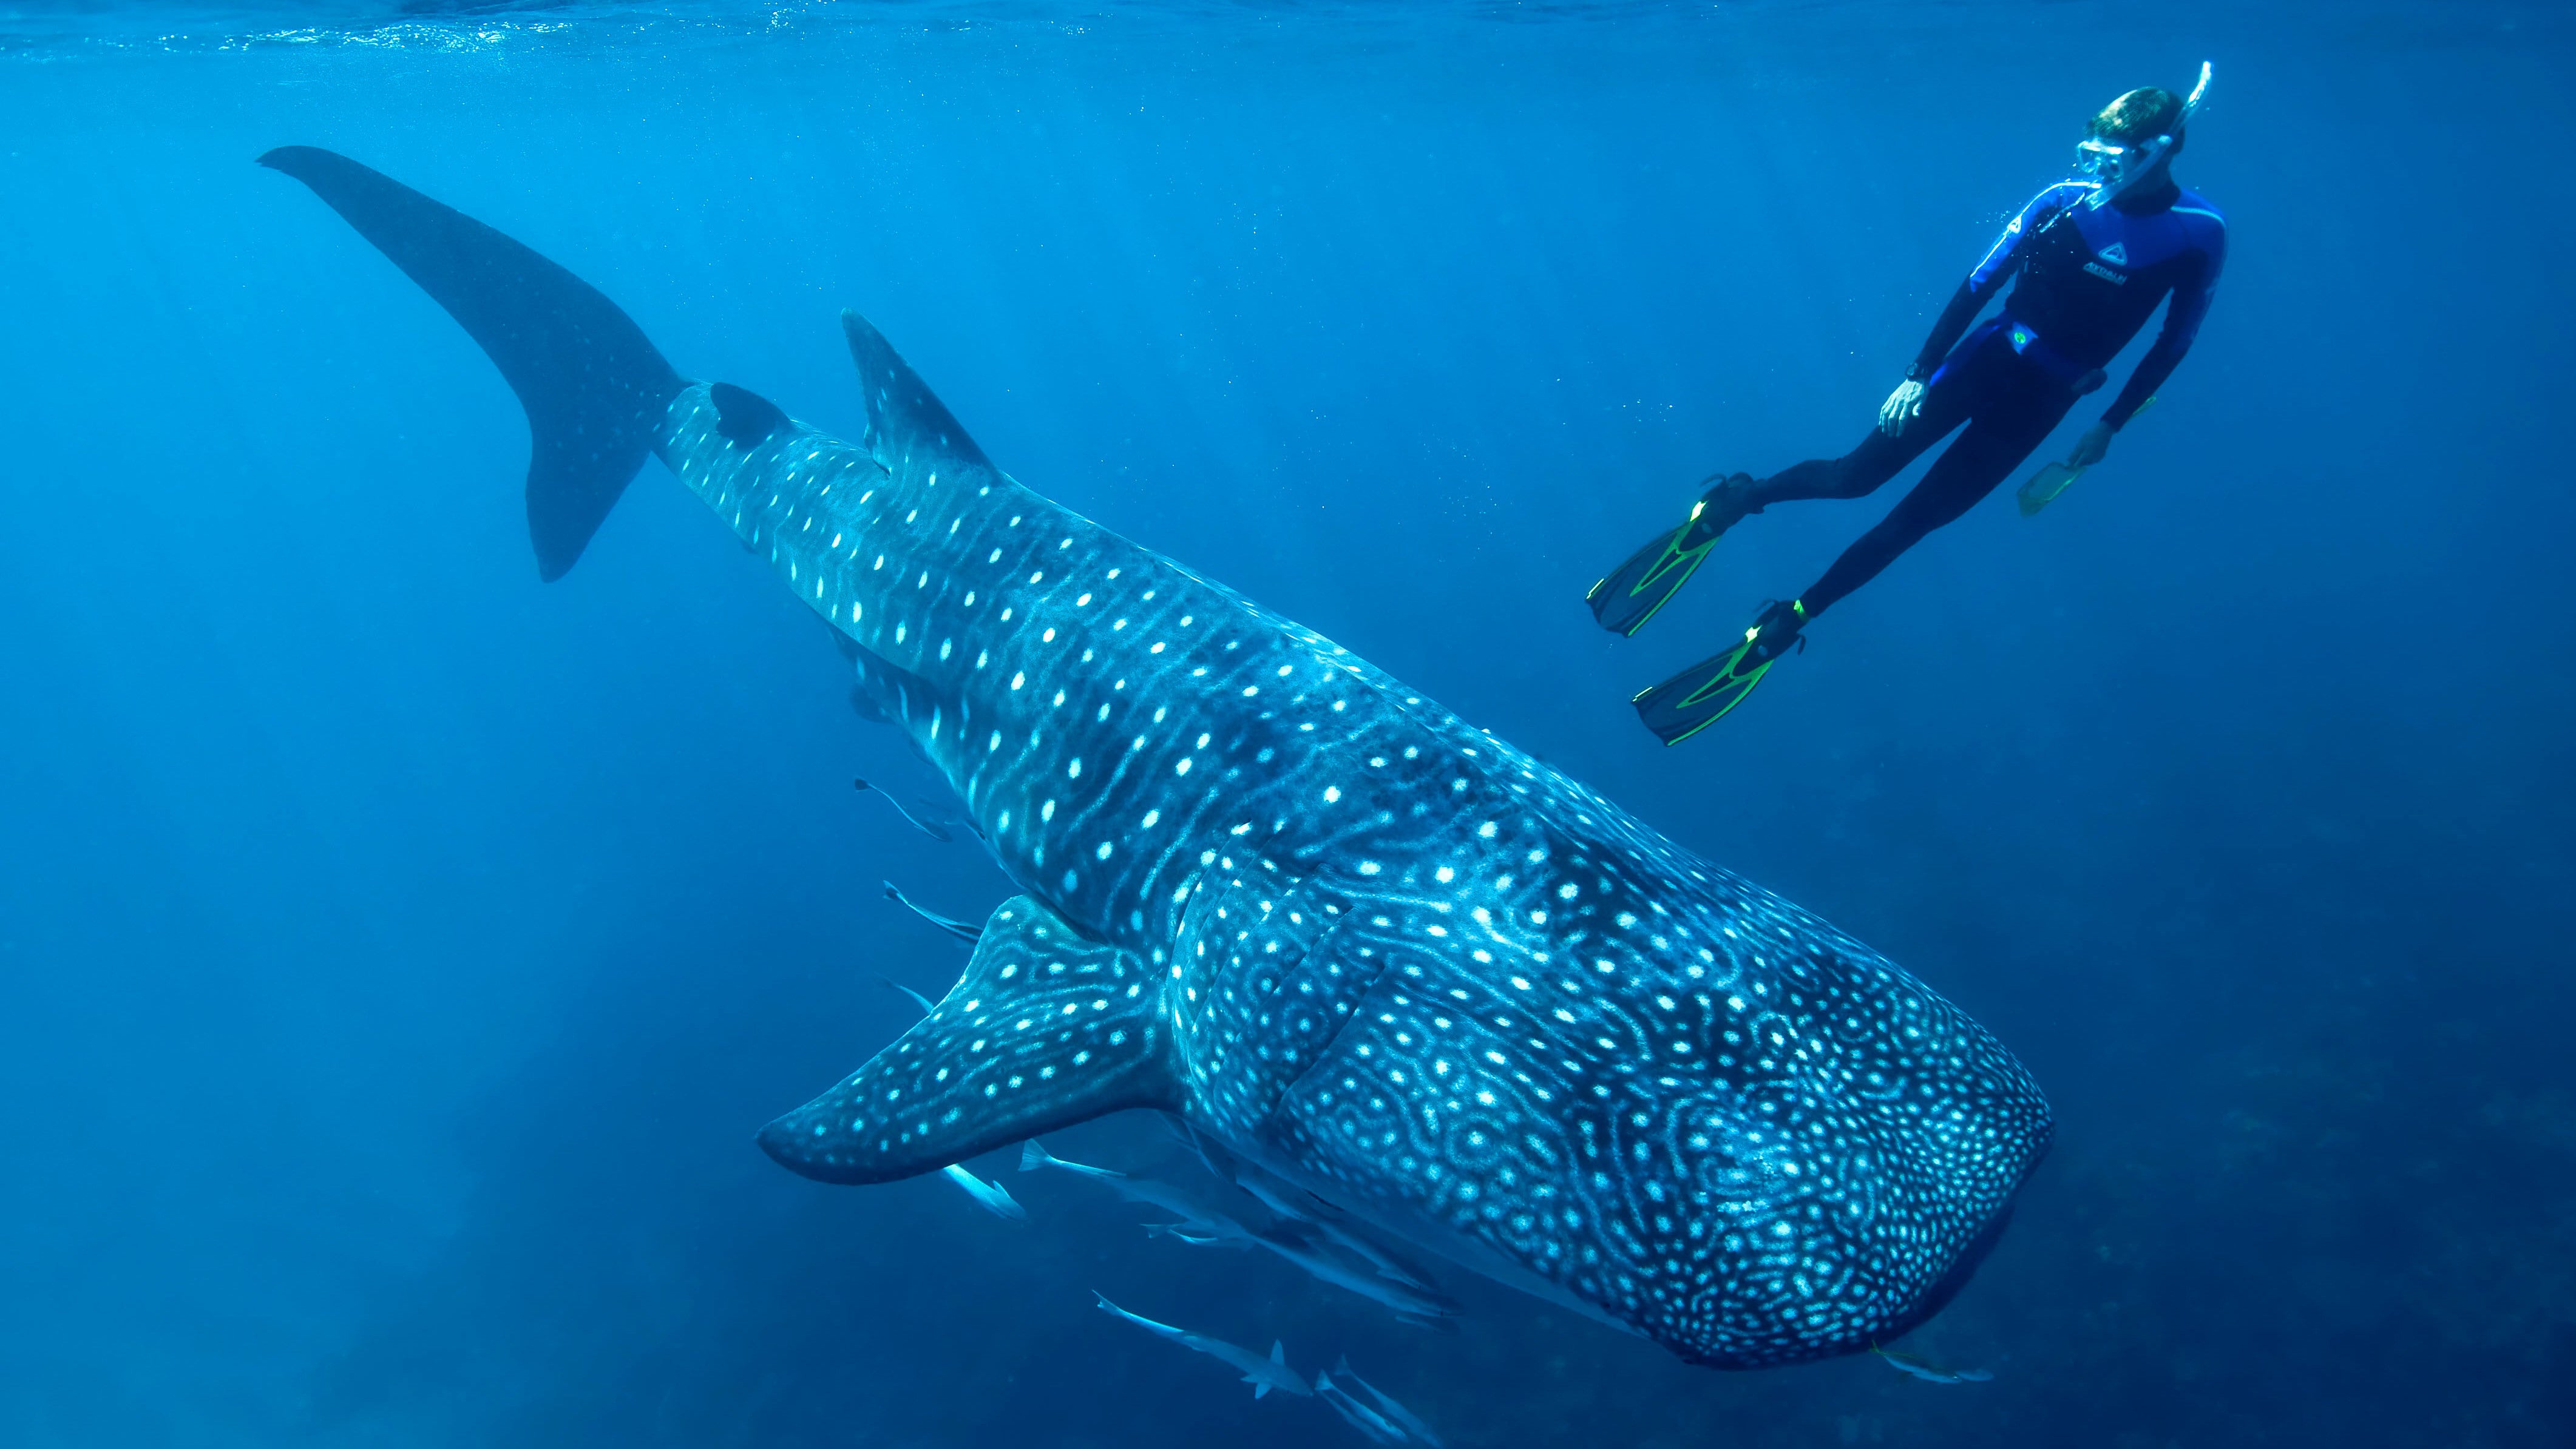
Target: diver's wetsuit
[{"x": 2090, "y": 278}]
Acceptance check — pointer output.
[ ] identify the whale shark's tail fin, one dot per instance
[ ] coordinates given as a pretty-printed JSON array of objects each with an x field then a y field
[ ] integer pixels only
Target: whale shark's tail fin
[{"x": 594, "y": 387}]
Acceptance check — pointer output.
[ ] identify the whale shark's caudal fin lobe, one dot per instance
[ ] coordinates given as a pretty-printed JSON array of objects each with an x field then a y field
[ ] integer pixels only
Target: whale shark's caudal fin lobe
[
  {"x": 905, "y": 418},
  {"x": 594, "y": 388},
  {"x": 1044, "y": 1030}
]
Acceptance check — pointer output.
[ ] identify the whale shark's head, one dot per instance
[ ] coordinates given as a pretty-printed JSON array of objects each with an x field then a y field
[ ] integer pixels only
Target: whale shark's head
[{"x": 1579, "y": 1059}]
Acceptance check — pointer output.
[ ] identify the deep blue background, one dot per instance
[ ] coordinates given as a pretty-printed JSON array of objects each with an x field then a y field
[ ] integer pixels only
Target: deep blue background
[{"x": 396, "y": 955}]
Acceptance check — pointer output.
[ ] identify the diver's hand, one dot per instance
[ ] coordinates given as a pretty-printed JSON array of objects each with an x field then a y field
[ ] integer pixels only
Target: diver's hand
[
  {"x": 1900, "y": 407},
  {"x": 2090, "y": 448}
]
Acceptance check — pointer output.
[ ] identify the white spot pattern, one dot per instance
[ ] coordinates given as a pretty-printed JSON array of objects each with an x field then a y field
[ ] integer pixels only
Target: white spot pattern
[{"x": 1470, "y": 996}]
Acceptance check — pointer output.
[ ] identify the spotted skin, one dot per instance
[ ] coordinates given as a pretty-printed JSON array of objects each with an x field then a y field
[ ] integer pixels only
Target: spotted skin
[
  {"x": 1390, "y": 957},
  {"x": 1373, "y": 952}
]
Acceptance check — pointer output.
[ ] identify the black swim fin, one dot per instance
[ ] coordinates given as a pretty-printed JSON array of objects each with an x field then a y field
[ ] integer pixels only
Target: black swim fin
[
  {"x": 1703, "y": 694},
  {"x": 1628, "y": 598}
]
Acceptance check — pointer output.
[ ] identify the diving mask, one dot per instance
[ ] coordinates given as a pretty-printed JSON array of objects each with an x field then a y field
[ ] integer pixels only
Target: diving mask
[{"x": 2112, "y": 167}]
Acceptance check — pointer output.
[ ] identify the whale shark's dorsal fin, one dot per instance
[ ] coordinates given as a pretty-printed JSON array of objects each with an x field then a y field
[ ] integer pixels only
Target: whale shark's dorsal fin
[
  {"x": 593, "y": 385},
  {"x": 905, "y": 418},
  {"x": 1044, "y": 1030},
  {"x": 745, "y": 418}
]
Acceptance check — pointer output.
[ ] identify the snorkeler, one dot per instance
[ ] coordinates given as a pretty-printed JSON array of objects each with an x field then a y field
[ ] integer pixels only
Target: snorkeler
[{"x": 2095, "y": 254}]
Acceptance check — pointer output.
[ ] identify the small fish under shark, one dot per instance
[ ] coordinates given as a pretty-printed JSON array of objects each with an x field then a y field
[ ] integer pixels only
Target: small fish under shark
[
  {"x": 1381, "y": 955},
  {"x": 1293, "y": 1240},
  {"x": 1264, "y": 1374},
  {"x": 1380, "y": 1419},
  {"x": 992, "y": 1197},
  {"x": 1917, "y": 1367}
]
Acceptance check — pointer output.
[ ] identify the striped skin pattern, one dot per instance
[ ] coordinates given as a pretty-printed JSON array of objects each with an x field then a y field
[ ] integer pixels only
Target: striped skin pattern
[{"x": 1378, "y": 952}]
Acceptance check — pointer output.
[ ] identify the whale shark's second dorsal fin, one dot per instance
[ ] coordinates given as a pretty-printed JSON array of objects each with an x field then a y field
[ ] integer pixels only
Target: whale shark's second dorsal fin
[
  {"x": 1044, "y": 1030},
  {"x": 906, "y": 420}
]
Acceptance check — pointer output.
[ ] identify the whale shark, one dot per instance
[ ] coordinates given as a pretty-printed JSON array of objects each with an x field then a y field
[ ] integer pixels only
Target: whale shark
[{"x": 1263, "y": 887}]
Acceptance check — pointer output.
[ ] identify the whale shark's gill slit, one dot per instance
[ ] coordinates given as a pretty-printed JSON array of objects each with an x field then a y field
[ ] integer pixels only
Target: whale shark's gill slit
[
  {"x": 594, "y": 388},
  {"x": 1045, "y": 1029}
]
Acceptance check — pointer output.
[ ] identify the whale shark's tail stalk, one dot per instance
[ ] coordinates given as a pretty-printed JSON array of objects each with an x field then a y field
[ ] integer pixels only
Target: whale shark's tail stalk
[{"x": 594, "y": 387}]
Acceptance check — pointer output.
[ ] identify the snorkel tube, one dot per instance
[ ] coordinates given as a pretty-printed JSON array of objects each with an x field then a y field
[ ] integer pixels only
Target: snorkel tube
[{"x": 2114, "y": 169}]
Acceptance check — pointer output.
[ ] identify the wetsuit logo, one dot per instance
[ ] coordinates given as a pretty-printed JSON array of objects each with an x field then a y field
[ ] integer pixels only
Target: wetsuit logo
[
  {"x": 2106, "y": 274},
  {"x": 2117, "y": 254}
]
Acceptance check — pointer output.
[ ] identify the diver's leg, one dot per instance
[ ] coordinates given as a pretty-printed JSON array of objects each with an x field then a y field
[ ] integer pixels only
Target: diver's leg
[
  {"x": 1853, "y": 475},
  {"x": 1992, "y": 446},
  {"x": 1701, "y": 695},
  {"x": 1634, "y": 592},
  {"x": 1956, "y": 392}
]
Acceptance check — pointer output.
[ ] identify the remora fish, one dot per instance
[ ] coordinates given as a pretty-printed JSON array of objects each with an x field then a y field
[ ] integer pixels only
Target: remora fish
[
  {"x": 1372, "y": 1425},
  {"x": 1198, "y": 1223},
  {"x": 1301, "y": 1206},
  {"x": 1299, "y": 1244},
  {"x": 1197, "y": 1235},
  {"x": 1385, "y": 956},
  {"x": 1929, "y": 1372},
  {"x": 957, "y": 928},
  {"x": 987, "y": 1195},
  {"x": 1296, "y": 1243},
  {"x": 925, "y": 1003},
  {"x": 1204, "y": 1226},
  {"x": 1321, "y": 1217},
  {"x": 1264, "y": 1374},
  {"x": 916, "y": 822},
  {"x": 1388, "y": 1408}
]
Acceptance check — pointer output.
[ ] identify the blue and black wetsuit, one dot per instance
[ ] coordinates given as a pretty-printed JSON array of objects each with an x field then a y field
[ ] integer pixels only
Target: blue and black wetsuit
[{"x": 2090, "y": 278}]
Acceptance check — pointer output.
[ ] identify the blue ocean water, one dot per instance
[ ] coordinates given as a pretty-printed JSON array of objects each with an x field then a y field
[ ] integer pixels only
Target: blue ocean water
[{"x": 397, "y": 954}]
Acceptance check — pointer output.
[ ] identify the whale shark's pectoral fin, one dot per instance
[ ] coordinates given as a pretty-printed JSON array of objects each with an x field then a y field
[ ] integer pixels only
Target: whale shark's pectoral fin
[
  {"x": 1044, "y": 1030},
  {"x": 906, "y": 420}
]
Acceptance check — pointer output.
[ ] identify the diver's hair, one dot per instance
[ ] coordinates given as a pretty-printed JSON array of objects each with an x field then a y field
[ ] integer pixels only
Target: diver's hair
[{"x": 2141, "y": 115}]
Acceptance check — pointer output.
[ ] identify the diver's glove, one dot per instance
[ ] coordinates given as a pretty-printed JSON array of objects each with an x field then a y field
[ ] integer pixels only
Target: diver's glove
[{"x": 1900, "y": 407}]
